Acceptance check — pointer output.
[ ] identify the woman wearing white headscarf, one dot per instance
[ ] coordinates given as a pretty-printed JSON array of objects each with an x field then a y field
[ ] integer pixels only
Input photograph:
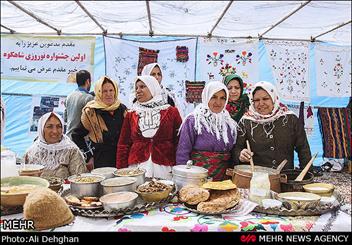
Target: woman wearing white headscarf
[
  {"x": 208, "y": 133},
  {"x": 154, "y": 70},
  {"x": 149, "y": 133},
  {"x": 274, "y": 132},
  {"x": 54, "y": 150}
]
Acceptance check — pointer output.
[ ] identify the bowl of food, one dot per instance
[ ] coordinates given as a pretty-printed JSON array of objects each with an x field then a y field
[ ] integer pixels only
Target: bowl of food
[
  {"x": 108, "y": 172},
  {"x": 14, "y": 190},
  {"x": 86, "y": 184},
  {"x": 118, "y": 200},
  {"x": 153, "y": 191},
  {"x": 138, "y": 173},
  {"x": 322, "y": 189},
  {"x": 299, "y": 200},
  {"x": 55, "y": 182},
  {"x": 118, "y": 184},
  {"x": 31, "y": 170}
]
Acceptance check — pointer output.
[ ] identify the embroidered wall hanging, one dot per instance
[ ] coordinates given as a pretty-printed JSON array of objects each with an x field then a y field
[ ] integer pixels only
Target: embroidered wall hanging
[
  {"x": 194, "y": 91},
  {"x": 146, "y": 56},
  {"x": 289, "y": 62},
  {"x": 122, "y": 58},
  {"x": 182, "y": 54},
  {"x": 218, "y": 57},
  {"x": 333, "y": 70}
]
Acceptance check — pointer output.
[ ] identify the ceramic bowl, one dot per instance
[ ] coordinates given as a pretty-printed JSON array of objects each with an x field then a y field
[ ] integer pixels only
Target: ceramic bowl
[
  {"x": 299, "y": 200},
  {"x": 154, "y": 196},
  {"x": 322, "y": 189},
  {"x": 14, "y": 190},
  {"x": 31, "y": 170}
]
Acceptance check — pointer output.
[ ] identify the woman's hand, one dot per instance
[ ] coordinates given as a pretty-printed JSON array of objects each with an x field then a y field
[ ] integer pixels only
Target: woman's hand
[{"x": 245, "y": 155}]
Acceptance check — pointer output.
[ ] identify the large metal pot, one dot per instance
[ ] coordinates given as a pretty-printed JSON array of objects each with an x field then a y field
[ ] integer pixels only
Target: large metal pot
[
  {"x": 242, "y": 175},
  {"x": 86, "y": 185},
  {"x": 291, "y": 184},
  {"x": 118, "y": 184},
  {"x": 189, "y": 174}
]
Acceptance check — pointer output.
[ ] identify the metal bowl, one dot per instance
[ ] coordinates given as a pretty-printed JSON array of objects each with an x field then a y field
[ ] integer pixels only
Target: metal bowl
[
  {"x": 108, "y": 172},
  {"x": 119, "y": 184},
  {"x": 119, "y": 200},
  {"x": 81, "y": 188},
  {"x": 129, "y": 172}
]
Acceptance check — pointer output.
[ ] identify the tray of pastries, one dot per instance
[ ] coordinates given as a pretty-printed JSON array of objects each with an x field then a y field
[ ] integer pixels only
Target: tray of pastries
[{"x": 216, "y": 199}]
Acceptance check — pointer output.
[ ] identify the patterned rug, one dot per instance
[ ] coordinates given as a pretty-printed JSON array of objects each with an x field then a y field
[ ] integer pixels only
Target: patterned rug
[{"x": 334, "y": 124}]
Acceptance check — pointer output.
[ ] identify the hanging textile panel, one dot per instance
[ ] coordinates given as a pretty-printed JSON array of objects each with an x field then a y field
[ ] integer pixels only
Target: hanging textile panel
[
  {"x": 123, "y": 57},
  {"x": 146, "y": 56},
  {"x": 218, "y": 57},
  {"x": 45, "y": 58},
  {"x": 289, "y": 62},
  {"x": 335, "y": 126},
  {"x": 194, "y": 91},
  {"x": 333, "y": 70},
  {"x": 308, "y": 116}
]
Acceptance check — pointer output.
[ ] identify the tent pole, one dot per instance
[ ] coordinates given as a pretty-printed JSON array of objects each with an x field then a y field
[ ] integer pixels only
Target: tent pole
[
  {"x": 220, "y": 18},
  {"x": 333, "y": 29},
  {"x": 7, "y": 28},
  {"x": 283, "y": 19},
  {"x": 151, "y": 33},
  {"x": 35, "y": 17},
  {"x": 120, "y": 34},
  {"x": 92, "y": 17}
]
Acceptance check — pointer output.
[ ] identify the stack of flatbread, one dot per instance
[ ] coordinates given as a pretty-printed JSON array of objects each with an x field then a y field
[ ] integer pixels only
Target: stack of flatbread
[{"x": 212, "y": 196}]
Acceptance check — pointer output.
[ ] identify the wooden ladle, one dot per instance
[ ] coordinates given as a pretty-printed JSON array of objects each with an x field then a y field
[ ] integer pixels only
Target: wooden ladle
[
  {"x": 250, "y": 160},
  {"x": 306, "y": 168}
]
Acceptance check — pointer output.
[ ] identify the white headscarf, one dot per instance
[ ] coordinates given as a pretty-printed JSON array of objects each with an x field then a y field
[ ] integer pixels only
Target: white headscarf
[
  {"x": 279, "y": 108},
  {"x": 149, "y": 111},
  {"x": 147, "y": 70},
  {"x": 214, "y": 123},
  {"x": 50, "y": 155}
]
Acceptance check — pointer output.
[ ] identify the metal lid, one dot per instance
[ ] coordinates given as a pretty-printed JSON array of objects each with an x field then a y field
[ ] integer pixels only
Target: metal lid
[{"x": 189, "y": 170}]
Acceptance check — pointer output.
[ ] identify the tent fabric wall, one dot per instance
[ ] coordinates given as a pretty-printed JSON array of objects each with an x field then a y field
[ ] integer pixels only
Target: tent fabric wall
[{"x": 17, "y": 97}]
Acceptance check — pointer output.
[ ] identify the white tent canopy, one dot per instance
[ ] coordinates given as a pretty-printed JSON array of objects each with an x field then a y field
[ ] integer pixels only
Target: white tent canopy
[{"x": 328, "y": 21}]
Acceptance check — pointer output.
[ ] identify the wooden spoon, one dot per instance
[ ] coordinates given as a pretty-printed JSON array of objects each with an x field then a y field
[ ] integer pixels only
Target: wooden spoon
[
  {"x": 281, "y": 166},
  {"x": 306, "y": 168},
  {"x": 251, "y": 159}
]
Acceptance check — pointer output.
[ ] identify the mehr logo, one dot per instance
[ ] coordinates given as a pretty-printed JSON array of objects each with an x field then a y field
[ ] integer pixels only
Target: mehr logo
[{"x": 17, "y": 224}]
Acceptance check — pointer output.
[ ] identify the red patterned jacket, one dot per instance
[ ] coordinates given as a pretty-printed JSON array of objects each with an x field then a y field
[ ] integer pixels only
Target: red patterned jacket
[{"x": 133, "y": 148}]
